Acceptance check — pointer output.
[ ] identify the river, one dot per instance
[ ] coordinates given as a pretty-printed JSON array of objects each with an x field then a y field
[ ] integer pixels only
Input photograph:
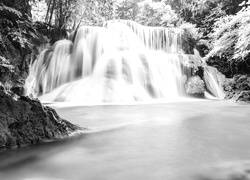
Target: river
[{"x": 176, "y": 141}]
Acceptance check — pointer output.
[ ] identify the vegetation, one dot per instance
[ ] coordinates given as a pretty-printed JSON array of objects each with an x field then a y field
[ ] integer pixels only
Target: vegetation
[
  {"x": 18, "y": 42},
  {"x": 195, "y": 86},
  {"x": 231, "y": 42}
]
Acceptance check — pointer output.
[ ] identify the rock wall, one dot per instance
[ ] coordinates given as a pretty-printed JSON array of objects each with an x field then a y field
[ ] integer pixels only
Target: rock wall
[{"x": 25, "y": 121}]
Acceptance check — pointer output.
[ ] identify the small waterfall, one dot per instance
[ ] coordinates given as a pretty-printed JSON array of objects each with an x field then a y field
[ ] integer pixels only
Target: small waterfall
[
  {"x": 121, "y": 61},
  {"x": 51, "y": 69},
  {"x": 212, "y": 81}
]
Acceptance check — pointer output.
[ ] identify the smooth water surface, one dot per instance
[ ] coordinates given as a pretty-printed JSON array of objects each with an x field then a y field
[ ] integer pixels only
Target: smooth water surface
[{"x": 174, "y": 141}]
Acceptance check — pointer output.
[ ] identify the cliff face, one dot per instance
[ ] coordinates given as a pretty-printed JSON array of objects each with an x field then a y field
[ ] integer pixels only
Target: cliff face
[{"x": 25, "y": 121}]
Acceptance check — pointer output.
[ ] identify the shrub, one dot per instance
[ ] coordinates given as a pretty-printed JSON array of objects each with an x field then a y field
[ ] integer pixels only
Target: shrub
[{"x": 195, "y": 86}]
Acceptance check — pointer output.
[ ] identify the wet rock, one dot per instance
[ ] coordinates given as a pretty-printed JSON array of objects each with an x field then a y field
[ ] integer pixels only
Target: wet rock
[
  {"x": 195, "y": 87},
  {"x": 26, "y": 121}
]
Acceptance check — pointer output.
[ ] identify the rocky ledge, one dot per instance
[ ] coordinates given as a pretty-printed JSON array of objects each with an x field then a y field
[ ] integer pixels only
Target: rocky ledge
[{"x": 25, "y": 121}]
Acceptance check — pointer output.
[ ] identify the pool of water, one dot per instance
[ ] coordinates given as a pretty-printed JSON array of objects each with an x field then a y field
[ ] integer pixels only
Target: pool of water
[{"x": 174, "y": 141}]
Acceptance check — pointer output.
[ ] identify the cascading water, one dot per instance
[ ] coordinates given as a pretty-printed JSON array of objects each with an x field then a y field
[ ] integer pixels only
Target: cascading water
[
  {"x": 212, "y": 81},
  {"x": 121, "y": 61}
]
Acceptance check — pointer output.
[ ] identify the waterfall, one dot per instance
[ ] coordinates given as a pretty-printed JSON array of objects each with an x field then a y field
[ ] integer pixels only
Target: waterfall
[
  {"x": 155, "y": 38},
  {"x": 121, "y": 61},
  {"x": 212, "y": 81}
]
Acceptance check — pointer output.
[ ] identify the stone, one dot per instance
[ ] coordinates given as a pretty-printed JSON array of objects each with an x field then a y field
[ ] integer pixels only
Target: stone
[{"x": 26, "y": 121}]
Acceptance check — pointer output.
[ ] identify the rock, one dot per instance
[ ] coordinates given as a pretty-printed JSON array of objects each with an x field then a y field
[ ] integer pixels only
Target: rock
[
  {"x": 58, "y": 34},
  {"x": 195, "y": 86},
  {"x": 26, "y": 121},
  {"x": 17, "y": 87},
  {"x": 1, "y": 87}
]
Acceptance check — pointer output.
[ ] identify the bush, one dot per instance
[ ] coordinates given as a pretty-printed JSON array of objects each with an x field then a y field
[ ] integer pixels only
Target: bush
[
  {"x": 195, "y": 86},
  {"x": 238, "y": 88}
]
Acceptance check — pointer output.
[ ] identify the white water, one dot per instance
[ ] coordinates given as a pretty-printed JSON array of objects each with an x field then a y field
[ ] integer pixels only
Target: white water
[
  {"x": 212, "y": 82},
  {"x": 120, "y": 62}
]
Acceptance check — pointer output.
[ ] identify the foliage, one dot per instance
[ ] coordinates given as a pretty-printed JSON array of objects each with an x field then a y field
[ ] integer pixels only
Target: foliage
[
  {"x": 126, "y": 9},
  {"x": 196, "y": 11},
  {"x": 59, "y": 12},
  {"x": 17, "y": 34},
  {"x": 38, "y": 10},
  {"x": 156, "y": 14},
  {"x": 73, "y": 13},
  {"x": 6, "y": 64},
  {"x": 22, "y": 6},
  {"x": 195, "y": 86},
  {"x": 204, "y": 13},
  {"x": 231, "y": 41},
  {"x": 14, "y": 29},
  {"x": 82, "y": 14},
  {"x": 238, "y": 88}
]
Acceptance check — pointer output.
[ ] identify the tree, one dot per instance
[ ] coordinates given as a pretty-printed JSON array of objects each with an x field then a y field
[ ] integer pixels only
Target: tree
[
  {"x": 91, "y": 12},
  {"x": 38, "y": 10},
  {"x": 153, "y": 13},
  {"x": 59, "y": 12},
  {"x": 126, "y": 9},
  {"x": 231, "y": 41}
]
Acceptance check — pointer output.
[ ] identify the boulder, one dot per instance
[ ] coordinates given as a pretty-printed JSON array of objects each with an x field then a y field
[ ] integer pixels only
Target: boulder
[{"x": 25, "y": 121}]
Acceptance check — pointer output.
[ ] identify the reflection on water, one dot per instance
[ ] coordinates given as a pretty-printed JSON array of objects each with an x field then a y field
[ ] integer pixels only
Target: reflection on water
[{"x": 173, "y": 141}]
